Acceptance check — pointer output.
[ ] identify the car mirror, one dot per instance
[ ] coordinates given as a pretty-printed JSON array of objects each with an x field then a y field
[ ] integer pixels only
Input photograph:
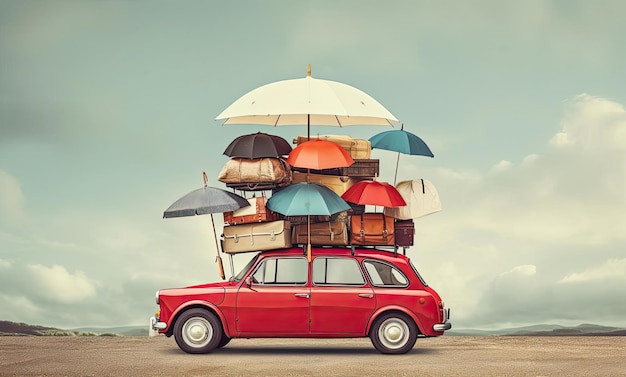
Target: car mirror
[{"x": 248, "y": 281}]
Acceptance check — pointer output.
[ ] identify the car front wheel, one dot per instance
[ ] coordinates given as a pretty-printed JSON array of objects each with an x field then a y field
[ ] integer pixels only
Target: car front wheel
[
  {"x": 198, "y": 331},
  {"x": 393, "y": 333}
]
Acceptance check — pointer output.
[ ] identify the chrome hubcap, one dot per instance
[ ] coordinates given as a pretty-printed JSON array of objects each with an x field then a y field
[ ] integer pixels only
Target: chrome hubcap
[
  {"x": 393, "y": 333},
  {"x": 197, "y": 332}
]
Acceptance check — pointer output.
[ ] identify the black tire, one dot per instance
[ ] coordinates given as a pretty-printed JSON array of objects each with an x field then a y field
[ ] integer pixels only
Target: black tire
[
  {"x": 224, "y": 341},
  {"x": 393, "y": 333},
  {"x": 198, "y": 331}
]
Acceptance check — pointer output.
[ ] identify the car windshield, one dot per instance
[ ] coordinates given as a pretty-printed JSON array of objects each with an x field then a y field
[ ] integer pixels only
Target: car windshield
[{"x": 243, "y": 271}]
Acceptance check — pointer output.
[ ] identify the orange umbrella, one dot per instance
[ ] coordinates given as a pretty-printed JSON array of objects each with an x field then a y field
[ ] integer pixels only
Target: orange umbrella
[
  {"x": 374, "y": 193},
  {"x": 319, "y": 154}
]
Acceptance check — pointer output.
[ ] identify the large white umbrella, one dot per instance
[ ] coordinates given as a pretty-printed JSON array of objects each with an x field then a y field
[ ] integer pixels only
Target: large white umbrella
[{"x": 307, "y": 101}]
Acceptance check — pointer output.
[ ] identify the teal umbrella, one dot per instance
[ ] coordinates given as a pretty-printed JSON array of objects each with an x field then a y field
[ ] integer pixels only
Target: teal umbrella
[
  {"x": 400, "y": 141},
  {"x": 308, "y": 199}
]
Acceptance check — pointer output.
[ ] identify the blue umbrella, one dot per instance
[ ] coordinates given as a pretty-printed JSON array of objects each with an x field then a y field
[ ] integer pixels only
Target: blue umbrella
[
  {"x": 307, "y": 199},
  {"x": 400, "y": 141}
]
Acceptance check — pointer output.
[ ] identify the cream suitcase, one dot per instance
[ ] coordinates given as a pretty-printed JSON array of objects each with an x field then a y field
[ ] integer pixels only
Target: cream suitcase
[
  {"x": 339, "y": 184},
  {"x": 245, "y": 238}
]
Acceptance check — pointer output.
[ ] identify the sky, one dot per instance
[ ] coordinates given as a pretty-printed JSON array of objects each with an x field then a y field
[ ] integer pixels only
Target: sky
[{"x": 107, "y": 116}]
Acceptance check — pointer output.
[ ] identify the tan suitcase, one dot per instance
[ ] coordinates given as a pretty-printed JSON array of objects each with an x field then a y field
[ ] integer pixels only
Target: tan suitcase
[
  {"x": 338, "y": 184},
  {"x": 327, "y": 233},
  {"x": 372, "y": 229},
  {"x": 256, "y": 237},
  {"x": 358, "y": 148}
]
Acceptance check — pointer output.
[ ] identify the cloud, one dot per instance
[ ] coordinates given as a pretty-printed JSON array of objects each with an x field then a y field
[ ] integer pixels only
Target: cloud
[
  {"x": 12, "y": 198},
  {"x": 5, "y": 264},
  {"x": 613, "y": 269},
  {"x": 57, "y": 284}
]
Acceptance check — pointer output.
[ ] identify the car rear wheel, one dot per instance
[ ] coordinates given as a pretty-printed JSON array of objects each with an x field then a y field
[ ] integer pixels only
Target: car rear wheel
[
  {"x": 393, "y": 333},
  {"x": 198, "y": 331}
]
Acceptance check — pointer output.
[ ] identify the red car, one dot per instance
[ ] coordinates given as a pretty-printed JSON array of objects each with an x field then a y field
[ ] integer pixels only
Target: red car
[{"x": 341, "y": 293}]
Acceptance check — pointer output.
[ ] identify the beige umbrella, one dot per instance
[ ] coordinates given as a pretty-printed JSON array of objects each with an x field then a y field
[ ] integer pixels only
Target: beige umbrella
[{"x": 307, "y": 101}]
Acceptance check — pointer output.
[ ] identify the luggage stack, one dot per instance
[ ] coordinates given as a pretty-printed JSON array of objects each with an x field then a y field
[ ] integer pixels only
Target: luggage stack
[{"x": 256, "y": 228}]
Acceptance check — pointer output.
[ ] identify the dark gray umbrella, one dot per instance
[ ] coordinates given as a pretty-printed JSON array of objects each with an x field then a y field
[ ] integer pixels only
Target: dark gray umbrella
[
  {"x": 203, "y": 201},
  {"x": 258, "y": 145}
]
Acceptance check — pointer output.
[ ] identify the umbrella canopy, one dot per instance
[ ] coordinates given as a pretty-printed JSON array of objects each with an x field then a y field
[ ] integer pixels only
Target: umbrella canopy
[
  {"x": 258, "y": 145},
  {"x": 401, "y": 141},
  {"x": 374, "y": 193},
  {"x": 306, "y": 199},
  {"x": 207, "y": 200},
  {"x": 204, "y": 201},
  {"x": 307, "y": 101},
  {"x": 319, "y": 154},
  {"x": 421, "y": 197}
]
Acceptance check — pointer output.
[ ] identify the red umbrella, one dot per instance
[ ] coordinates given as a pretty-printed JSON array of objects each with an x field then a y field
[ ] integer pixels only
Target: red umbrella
[
  {"x": 374, "y": 193},
  {"x": 319, "y": 154}
]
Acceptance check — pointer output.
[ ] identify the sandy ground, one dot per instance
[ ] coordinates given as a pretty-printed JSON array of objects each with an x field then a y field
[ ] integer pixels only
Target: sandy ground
[{"x": 444, "y": 356}]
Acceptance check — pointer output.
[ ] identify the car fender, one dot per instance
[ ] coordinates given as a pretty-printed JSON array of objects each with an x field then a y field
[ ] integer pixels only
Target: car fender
[
  {"x": 397, "y": 308},
  {"x": 198, "y": 304}
]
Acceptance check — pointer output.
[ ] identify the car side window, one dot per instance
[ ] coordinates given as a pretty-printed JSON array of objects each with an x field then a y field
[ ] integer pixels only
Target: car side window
[
  {"x": 337, "y": 271},
  {"x": 284, "y": 271},
  {"x": 385, "y": 275}
]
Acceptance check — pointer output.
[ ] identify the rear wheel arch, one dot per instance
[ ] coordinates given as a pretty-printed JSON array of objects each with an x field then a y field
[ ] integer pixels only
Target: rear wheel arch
[{"x": 397, "y": 310}]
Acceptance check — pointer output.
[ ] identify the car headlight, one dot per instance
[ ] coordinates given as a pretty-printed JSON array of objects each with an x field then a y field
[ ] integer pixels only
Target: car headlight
[{"x": 157, "y": 297}]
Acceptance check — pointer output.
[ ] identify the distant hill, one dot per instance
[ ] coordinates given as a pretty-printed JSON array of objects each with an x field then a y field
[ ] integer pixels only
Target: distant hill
[
  {"x": 23, "y": 329},
  {"x": 545, "y": 330}
]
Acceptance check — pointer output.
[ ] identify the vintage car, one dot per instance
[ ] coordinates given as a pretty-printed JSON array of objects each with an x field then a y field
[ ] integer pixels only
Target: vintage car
[{"x": 341, "y": 293}]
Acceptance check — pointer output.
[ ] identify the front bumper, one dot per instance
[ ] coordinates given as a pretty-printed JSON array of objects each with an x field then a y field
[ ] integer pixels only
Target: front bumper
[
  {"x": 155, "y": 326},
  {"x": 446, "y": 325}
]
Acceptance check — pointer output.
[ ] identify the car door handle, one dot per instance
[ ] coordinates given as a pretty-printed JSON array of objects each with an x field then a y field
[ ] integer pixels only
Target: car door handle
[
  {"x": 305, "y": 295},
  {"x": 366, "y": 295}
]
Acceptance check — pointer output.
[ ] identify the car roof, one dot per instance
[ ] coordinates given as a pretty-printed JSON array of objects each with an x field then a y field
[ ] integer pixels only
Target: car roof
[{"x": 386, "y": 254}]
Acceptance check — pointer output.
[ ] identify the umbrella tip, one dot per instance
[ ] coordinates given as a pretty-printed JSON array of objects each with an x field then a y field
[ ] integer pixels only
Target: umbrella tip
[
  {"x": 205, "y": 179},
  {"x": 308, "y": 71}
]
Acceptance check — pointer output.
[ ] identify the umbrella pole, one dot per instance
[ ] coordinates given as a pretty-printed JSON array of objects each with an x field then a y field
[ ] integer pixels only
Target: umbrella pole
[
  {"x": 308, "y": 127},
  {"x": 308, "y": 246},
  {"x": 220, "y": 265},
  {"x": 395, "y": 177}
]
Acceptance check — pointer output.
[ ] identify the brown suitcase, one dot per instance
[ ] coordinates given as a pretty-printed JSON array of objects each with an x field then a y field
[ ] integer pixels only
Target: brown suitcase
[
  {"x": 295, "y": 220},
  {"x": 404, "y": 232},
  {"x": 372, "y": 229},
  {"x": 326, "y": 233},
  {"x": 259, "y": 171},
  {"x": 360, "y": 169},
  {"x": 256, "y": 237},
  {"x": 254, "y": 213},
  {"x": 358, "y": 148},
  {"x": 338, "y": 184}
]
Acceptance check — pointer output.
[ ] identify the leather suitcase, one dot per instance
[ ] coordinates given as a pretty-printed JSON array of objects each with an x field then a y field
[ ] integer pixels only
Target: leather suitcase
[
  {"x": 372, "y": 229},
  {"x": 358, "y": 148},
  {"x": 244, "y": 172},
  {"x": 338, "y": 184},
  {"x": 326, "y": 233},
  {"x": 256, "y": 237},
  {"x": 254, "y": 213},
  {"x": 404, "y": 232},
  {"x": 360, "y": 169}
]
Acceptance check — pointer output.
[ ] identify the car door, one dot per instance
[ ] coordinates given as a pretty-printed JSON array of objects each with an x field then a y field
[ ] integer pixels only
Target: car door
[
  {"x": 277, "y": 299},
  {"x": 341, "y": 300}
]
